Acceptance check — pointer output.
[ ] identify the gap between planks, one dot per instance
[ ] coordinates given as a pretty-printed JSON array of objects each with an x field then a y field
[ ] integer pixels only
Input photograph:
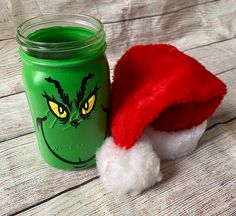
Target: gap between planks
[
  {"x": 161, "y": 14},
  {"x": 141, "y": 17},
  {"x": 93, "y": 179},
  {"x": 185, "y": 50},
  {"x": 56, "y": 195},
  {"x": 31, "y": 132}
]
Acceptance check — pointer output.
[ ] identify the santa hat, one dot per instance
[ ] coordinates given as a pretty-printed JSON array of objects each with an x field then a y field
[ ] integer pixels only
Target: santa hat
[{"x": 161, "y": 99}]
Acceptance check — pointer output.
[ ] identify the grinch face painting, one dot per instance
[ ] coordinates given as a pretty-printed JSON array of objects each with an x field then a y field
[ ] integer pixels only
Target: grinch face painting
[
  {"x": 74, "y": 123},
  {"x": 66, "y": 79}
]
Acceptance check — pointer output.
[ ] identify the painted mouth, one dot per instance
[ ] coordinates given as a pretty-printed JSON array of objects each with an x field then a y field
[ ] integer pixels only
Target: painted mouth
[{"x": 76, "y": 164}]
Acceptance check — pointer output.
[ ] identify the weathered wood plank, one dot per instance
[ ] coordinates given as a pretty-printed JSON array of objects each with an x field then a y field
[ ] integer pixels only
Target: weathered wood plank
[
  {"x": 217, "y": 57},
  {"x": 203, "y": 183},
  {"x": 120, "y": 36},
  {"x": 15, "y": 117},
  {"x": 26, "y": 179},
  {"x": 22, "y": 165},
  {"x": 12, "y": 13},
  {"x": 210, "y": 172},
  {"x": 10, "y": 79},
  {"x": 227, "y": 109},
  {"x": 187, "y": 28},
  {"x": 9, "y": 52},
  {"x": 14, "y": 108}
]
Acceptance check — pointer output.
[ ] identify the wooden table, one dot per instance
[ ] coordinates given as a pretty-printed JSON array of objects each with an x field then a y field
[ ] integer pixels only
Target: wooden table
[{"x": 201, "y": 184}]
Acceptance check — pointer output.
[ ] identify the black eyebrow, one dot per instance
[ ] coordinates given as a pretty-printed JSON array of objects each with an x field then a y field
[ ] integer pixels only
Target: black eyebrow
[
  {"x": 80, "y": 94},
  {"x": 64, "y": 97}
]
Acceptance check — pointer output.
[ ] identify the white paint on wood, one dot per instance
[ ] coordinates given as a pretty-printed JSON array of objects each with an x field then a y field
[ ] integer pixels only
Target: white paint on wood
[
  {"x": 203, "y": 183},
  {"x": 15, "y": 12},
  {"x": 14, "y": 109},
  {"x": 27, "y": 179},
  {"x": 196, "y": 27},
  {"x": 21, "y": 156}
]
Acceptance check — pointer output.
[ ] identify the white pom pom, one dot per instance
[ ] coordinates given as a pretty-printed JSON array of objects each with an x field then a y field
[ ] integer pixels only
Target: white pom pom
[
  {"x": 173, "y": 145},
  {"x": 128, "y": 170}
]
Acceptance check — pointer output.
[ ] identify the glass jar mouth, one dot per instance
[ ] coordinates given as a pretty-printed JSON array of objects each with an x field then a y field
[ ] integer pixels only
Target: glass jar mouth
[{"x": 91, "y": 43}]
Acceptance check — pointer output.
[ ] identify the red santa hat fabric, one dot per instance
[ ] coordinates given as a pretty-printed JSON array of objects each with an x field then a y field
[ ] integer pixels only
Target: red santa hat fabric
[
  {"x": 167, "y": 93},
  {"x": 159, "y": 85}
]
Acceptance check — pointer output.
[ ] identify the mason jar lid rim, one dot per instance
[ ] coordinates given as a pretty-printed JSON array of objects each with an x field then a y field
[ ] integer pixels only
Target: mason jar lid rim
[{"x": 23, "y": 40}]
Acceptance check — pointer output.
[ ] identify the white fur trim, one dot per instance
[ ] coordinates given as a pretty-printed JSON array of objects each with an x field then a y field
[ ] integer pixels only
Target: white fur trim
[
  {"x": 128, "y": 170},
  {"x": 172, "y": 145}
]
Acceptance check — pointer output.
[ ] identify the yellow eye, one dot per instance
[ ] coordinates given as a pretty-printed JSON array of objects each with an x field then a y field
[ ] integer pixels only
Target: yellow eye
[
  {"x": 57, "y": 110},
  {"x": 88, "y": 105}
]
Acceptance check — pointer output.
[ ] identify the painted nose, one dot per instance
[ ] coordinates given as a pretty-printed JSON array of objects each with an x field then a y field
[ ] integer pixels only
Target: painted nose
[{"x": 75, "y": 123}]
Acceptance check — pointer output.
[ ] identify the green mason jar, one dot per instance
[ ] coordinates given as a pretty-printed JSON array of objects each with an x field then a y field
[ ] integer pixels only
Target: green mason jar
[{"x": 66, "y": 79}]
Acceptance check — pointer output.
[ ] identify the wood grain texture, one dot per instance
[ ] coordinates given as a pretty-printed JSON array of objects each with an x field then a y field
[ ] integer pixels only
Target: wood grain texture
[
  {"x": 201, "y": 184},
  {"x": 197, "y": 26},
  {"x": 26, "y": 179},
  {"x": 217, "y": 57},
  {"x": 16, "y": 117},
  {"x": 12, "y": 13},
  {"x": 15, "y": 12},
  {"x": 227, "y": 109},
  {"x": 118, "y": 10},
  {"x": 187, "y": 28}
]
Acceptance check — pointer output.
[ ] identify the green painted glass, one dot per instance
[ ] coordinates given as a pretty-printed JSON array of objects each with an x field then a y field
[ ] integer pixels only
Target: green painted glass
[{"x": 66, "y": 79}]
